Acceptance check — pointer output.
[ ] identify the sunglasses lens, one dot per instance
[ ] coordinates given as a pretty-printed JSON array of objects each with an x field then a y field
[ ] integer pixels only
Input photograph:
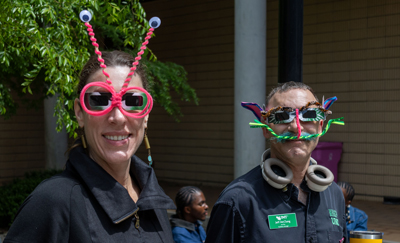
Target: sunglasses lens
[
  {"x": 281, "y": 116},
  {"x": 134, "y": 101},
  {"x": 311, "y": 114},
  {"x": 97, "y": 101}
]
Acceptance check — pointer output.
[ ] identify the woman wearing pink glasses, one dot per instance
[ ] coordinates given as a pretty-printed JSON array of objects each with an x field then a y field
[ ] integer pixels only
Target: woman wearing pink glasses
[{"x": 106, "y": 193}]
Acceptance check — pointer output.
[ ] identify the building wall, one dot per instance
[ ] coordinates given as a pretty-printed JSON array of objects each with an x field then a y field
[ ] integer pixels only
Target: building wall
[
  {"x": 352, "y": 51},
  {"x": 199, "y": 35},
  {"x": 21, "y": 143}
]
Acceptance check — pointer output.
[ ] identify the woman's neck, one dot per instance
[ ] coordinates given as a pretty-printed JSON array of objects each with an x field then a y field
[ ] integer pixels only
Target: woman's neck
[{"x": 120, "y": 172}]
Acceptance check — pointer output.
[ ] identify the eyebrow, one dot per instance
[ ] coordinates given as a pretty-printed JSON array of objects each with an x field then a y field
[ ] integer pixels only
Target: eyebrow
[{"x": 98, "y": 89}]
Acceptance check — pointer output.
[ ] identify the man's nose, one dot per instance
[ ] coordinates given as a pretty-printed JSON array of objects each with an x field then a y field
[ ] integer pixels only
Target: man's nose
[{"x": 295, "y": 125}]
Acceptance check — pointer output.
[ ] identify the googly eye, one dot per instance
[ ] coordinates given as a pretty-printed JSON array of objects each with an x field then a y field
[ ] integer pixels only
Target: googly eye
[
  {"x": 85, "y": 16},
  {"x": 155, "y": 22}
]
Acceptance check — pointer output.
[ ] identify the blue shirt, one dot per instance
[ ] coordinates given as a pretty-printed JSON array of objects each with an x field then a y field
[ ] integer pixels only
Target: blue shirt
[
  {"x": 358, "y": 220},
  {"x": 187, "y": 232}
]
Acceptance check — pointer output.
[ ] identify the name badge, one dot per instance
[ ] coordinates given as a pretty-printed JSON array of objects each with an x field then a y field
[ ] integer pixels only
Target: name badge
[{"x": 280, "y": 221}]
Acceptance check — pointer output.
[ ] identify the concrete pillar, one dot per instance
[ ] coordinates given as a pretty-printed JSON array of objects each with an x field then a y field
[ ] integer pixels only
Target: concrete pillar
[
  {"x": 56, "y": 142},
  {"x": 250, "y": 80}
]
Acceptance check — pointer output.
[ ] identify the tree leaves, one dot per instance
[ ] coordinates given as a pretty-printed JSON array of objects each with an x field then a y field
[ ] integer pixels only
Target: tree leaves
[{"x": 44, "y": 45}]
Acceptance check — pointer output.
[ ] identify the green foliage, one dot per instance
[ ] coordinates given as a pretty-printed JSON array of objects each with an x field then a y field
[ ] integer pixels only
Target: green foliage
[
  {"x": 13, "y": 195},
  {"x": 162, "y": 77},
  {"x": 44, "y": 45}
]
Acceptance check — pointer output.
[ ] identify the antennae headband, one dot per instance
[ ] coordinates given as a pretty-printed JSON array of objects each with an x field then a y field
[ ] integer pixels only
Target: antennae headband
[{"x": 99, "y": 98}]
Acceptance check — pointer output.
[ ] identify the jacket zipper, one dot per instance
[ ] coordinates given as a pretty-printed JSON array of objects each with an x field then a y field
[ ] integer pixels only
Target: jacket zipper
[
  {"x": 136, "y": 217},
  {"x": 137, "y": 223}
]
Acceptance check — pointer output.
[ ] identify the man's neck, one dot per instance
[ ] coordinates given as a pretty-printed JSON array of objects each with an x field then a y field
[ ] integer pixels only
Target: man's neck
[
  {"x": 299, "y": 169},
  {"x": 299, "y": 172}
]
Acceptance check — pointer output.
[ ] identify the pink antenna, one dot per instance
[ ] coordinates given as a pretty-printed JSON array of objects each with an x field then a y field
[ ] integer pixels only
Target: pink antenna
[
  {"x": 154, "y": 22},
  {"x": 86, "y": 16}
]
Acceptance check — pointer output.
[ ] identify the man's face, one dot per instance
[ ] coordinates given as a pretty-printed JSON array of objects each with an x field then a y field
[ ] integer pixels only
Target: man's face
[{"x": 293, "y": 151}]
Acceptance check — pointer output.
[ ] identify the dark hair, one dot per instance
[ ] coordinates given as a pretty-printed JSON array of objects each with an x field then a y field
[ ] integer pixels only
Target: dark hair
[
  {"x": 184, "y": 198},
  {"x": 111, "y": 59},
  {"x": 349, "y": 189},
  {"x": 283, "y": 87}
]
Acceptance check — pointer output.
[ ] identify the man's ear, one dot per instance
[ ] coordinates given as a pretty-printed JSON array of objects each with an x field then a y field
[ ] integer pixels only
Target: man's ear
[
  {"x": 321, "y": 125},
  {"x": 78, "y": 112},
  {"x": 265, "y": 132}
]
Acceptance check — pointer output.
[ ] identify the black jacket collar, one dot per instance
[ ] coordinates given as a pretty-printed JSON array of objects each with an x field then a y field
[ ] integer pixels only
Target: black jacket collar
[{"x": 111, "y": 195}]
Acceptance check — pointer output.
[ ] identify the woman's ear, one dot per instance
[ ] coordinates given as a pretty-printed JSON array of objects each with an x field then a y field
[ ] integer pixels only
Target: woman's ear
[
  {"x": 187, "y": 209},
  {"x": 146, "y": 119},
  {"x": 78, "y": 112}
]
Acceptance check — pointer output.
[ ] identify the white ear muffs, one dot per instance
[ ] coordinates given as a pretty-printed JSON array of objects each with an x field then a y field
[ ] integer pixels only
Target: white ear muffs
[
  {"x": 318, "y": 177},
  {"x": 274, "y": 171},
  {"x": 278, "y": 174}
]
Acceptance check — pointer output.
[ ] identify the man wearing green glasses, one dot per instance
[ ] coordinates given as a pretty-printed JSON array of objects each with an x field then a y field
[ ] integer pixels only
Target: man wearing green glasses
[{"x": 288, "y": 198}]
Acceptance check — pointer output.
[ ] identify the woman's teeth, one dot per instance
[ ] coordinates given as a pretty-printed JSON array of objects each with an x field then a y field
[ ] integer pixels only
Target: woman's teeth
[{"x": 117, "y": 138}]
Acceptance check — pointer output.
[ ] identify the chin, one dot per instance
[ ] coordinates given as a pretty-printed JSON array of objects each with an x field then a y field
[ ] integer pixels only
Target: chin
[
  {"x": 298, "y": 152},
  {"x": 118, "y": 157}
]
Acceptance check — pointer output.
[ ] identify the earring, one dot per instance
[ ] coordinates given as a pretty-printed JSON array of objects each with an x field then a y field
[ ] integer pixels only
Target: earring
[
  {"x": 83, "y": 138},
  {"x": 147, "y": 144},
  {"x": 83, "y": 141}
]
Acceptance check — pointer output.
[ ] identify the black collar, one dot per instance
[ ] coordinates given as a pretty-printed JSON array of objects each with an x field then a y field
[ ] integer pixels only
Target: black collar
[{"x": 111, "y": 195}]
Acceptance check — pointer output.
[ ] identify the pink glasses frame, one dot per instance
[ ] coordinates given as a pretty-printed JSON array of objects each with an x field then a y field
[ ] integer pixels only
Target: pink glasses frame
[{"x": 116, "y": 100}]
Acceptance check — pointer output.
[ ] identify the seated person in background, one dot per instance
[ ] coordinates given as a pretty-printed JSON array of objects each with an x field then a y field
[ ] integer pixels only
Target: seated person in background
[
  {"x": 356, "y": 219},
  {"x": 191, "y": 207}
]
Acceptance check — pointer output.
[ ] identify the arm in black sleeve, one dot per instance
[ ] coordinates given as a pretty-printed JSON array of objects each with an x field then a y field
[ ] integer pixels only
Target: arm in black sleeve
[
  {"x": 344, "y": 226},
  {"x": 43, "y": 217},
  {"x": 225, "y": 225}
]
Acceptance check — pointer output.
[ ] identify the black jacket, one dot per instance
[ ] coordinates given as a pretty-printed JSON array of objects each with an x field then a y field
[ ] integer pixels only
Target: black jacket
[
  {"x": 249, "y": 206},
  {"x": 86, "y": 204}
]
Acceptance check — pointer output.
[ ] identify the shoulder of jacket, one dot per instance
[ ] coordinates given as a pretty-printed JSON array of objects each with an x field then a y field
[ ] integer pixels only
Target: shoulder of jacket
[{"x": 56, "y": 188}]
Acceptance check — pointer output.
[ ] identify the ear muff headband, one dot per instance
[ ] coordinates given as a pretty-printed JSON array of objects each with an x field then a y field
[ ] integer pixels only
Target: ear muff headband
[
  {"x": 154, "y": 22},
  {"x": 318, "y": 177}
]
